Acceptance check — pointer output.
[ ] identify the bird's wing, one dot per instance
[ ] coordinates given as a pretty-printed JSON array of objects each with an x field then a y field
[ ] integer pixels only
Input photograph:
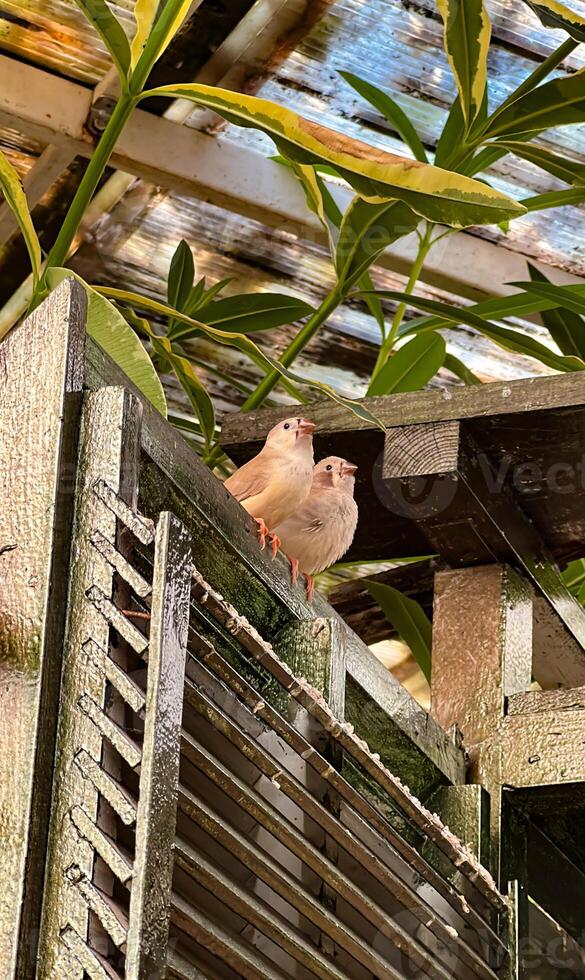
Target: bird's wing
[{"x": 250, "y": 480}]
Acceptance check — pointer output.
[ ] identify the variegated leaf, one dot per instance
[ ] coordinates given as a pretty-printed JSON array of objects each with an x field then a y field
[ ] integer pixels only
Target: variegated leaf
[
  {"x": 467, "y": 41},
  {"x": 438, "y": 195},
  {"x": 551, "y": 13}
]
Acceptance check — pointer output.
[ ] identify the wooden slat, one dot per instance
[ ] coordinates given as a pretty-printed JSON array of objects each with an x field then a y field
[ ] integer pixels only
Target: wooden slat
[
  {"x": 115, "y": 794},
  {"x": 296, "y": 792},
  {"x": 373, "y": 817},
  {"x": 243, "y": 902},
  {"x": 217, "y": 941},
  {"x": 279, "y": 881},
  {"x": 531, "y": 702},
  {"x": 116, "y": 618},
  {"x": 92, "y": 964},
  {"x": 473, "y": 402},
  {"x": 107, "y": 849},
  {"x": 141, "y": 527},
  {"x": 302, "y": 692},
  {"x": 159, "y": 776},
  {"x": 110, "y": 730},
  {"x": 121, "y": 565},
  {"x": 125, "y": 686},
  {"x": 101, "y": 905}
]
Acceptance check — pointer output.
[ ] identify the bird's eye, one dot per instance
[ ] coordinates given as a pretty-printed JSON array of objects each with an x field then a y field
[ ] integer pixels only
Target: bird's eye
[
  {"x": 329, "y": 467},
  {"x": 287, "y": 425}
]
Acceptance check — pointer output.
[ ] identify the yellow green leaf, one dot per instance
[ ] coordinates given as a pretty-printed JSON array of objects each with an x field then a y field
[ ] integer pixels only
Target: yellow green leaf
[
  {"x": 551, "y": 13},
  {"x": 109, "y": 329},
  {"x": 156, "y": 26},
  {"x": 438, "y": 195},
  {"x": 145, "y": 13},
  {"x": 12, "y": 189},
  {"x": 467, "y": 40}
]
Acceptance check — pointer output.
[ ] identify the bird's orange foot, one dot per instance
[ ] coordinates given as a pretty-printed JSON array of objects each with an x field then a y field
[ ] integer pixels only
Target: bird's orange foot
[
  {"x": 262, "y": 532},
  {"x": 294, "y": 570},
  {"x": 310, "y": 587},
  {"x": 274, "y": 543}
]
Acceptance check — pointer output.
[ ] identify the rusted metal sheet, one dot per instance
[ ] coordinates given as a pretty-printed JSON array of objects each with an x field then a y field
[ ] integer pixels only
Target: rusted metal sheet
[{"x": 41, "y": 374}]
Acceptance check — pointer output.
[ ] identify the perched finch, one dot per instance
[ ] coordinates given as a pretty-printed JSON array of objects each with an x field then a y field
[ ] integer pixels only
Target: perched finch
[
  {"x": 321, "y": 530},
  {"x": 273, "y": 484}
]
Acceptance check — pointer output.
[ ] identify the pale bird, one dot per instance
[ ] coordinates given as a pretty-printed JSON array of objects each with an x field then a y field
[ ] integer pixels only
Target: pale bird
[
  {"x": 273, "y": 484},
  {"x": 321, "y": 530}
]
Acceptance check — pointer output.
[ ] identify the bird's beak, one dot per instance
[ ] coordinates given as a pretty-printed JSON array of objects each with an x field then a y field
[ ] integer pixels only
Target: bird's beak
[
  {"x": 306, "y": 427},
  {"x": 348, "y": 469}
]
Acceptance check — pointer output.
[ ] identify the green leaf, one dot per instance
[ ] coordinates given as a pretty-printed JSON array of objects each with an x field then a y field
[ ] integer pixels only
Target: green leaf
[
  {"x": 571, "y": 171},
  {"x": 181, "y": 275},
  {"x": 12, "y": 189},
  {"x": 391, "y": 111},
  {"x": 438, "y": 195},
  {"x": 196, "y": 297},
  {"x": 559, "y": 102},
  {"x": 554, "y": 199},
  {"x": 566, "y": 328},
  {"x": 467, "y": 41},
  {"x": 248, "y": 313},
  {"x": 517, "y": 304},
  {"x": 574, "y": 575},
  {"x": 111, "y": 32},
  {"x": 566, "y": 297},
  {"x": 366, "y": 230},
  {"x": 411, "y": 367},
  {"x": 505, "y": 337},
  {"x": 452, "y": 135},
  {"x": 557, "y": 15},
  {"x": 372, "y": 301},
  {"x": 242, "y": 343},
  {"x": 108, "y": 327},
  {"x": 145, "y": 12},
  {"x": 409, "y": 620},
  {"x": 460, "y": 370}
]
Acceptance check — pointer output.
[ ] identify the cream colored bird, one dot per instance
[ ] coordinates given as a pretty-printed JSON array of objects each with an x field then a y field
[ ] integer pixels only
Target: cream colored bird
[
  {"x": 321, "y": 530},
  {"x": 273, "y": 484}
]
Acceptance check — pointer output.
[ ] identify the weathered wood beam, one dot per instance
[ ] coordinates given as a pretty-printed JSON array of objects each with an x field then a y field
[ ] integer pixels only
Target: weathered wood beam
[
  {"x": 242, "y": 432},
  {"x": 233, "y": 176},
  {"x": 41, "y": 366},
  {"x": 471, "y": 516}
]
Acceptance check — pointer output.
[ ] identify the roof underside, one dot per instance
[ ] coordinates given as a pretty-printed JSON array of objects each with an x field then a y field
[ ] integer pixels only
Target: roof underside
[{"x": 395, "y": 44}]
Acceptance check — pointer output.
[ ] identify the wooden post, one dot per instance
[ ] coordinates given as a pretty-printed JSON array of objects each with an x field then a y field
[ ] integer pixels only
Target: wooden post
[
  {"x": 41, "y": 375},
  {"x": 108, "y": 452},
  {"x": 150, "y": 900},
  {"x": 482, "y": 653}
]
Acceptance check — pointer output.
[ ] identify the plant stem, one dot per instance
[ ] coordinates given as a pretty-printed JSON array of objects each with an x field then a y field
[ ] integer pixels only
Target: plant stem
[
  {"x": 305, "y": 334},
  {"x": 85, "y": 191},
  {"x": 425, "y": 245}
]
